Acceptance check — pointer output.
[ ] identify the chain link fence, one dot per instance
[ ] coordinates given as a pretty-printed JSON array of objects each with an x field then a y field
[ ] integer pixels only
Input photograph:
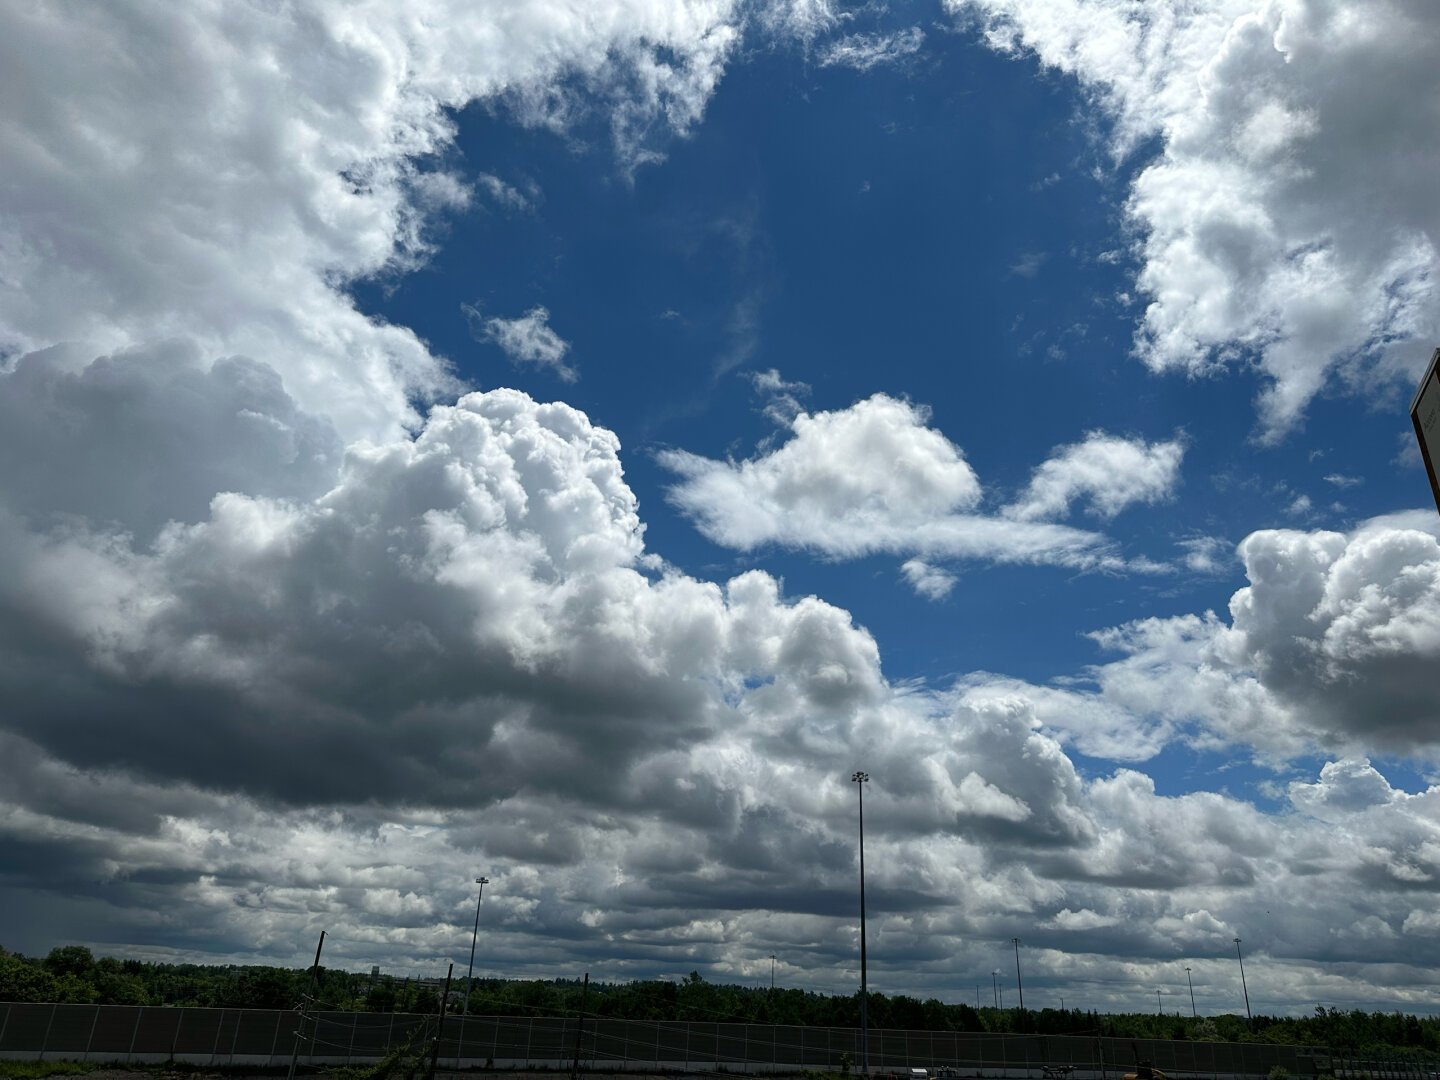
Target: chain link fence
[{"x": 269, "y": 1037}]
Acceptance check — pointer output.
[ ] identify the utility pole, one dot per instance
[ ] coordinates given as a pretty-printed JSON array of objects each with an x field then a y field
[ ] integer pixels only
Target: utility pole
[
  {"x": 440, "y": 1031},
  {"x": 1243, "y": 987},
  {"x": 470, "y": 971},
  {"x": 580, "y": 1026},
  {"x": 1018, "y": 984},
  {"x": 860, "y": 779},
  {"x": 1190, "y": 984},
  {"x": 314, "y": 985}
]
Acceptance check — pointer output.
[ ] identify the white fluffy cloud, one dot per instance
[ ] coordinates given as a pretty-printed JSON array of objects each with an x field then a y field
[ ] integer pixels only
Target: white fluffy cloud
[
  {"x": 479, "y": 585},
  {"x": 874, "y": 466},
  {"x": 875, "y": 478},
  {"x": 218, "y": 174},
  {"x": 466, "y": 621},
  {"x": 1110, "y": 472},
  {"x": 297, "y": 708},
  {"x": 281, "y": 650},
  {"x": 528, "y": 339},
  {"x": 1329, "y": 647},
  {"x": 931, "y": 582},
  {"x": 1289, "y": 216}
]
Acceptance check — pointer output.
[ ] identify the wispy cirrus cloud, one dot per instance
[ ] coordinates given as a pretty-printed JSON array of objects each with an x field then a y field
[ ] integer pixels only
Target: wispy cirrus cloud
[
  {"x": 507, "y": 196},
  {"x": 866, "y": 51}
]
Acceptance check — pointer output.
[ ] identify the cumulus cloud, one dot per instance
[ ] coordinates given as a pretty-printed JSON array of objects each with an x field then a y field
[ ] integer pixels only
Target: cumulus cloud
[
  {"x": 1328, "y": 647},
  {"x": 222, "y": 176},
  {"x": 283, "y": 643},
  {"x": 97, "y": 436},
  {"x": 980, "y": 820},
  {"x": 872, "y": 465},
  {"x": 1111, "y": 473},
  {"x": 872, "y": 478},
  {"x": 931, "y": 582},
  {"x": 465, "y": 620},
  {"x": 528, "y": 339},
  {"x": 1288, "y": 218},
  {"x": 281, "y": 711},
  {"x": 499, "y": 526},
  {"x": 298, "y": 710}
]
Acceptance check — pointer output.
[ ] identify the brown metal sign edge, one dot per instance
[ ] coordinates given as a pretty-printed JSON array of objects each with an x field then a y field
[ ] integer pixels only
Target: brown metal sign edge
[{"x": 1419, "y": 433}]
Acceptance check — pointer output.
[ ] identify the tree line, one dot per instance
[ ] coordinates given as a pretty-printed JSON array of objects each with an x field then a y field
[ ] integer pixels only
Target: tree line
[{"x": 72, "y": 974}]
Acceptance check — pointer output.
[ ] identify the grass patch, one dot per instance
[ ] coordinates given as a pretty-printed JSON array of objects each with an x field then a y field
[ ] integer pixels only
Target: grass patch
[{"x": 38, "y": 1070}]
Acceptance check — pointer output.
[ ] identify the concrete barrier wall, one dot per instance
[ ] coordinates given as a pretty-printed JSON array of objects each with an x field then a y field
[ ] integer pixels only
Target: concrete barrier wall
[{"x": 269, "y": 1037}]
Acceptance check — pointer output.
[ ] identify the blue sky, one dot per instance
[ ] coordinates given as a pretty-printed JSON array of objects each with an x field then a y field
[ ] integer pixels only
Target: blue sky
[
  {"x": 946, "y": 228},
  {"x": 565, "y": 441}
]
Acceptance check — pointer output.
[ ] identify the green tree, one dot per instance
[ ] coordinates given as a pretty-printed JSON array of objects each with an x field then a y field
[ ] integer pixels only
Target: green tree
[
  {"x": 114, "y": 985},
  {"x": 73, "y": 960},
  {"x": 22, "y": 980}
]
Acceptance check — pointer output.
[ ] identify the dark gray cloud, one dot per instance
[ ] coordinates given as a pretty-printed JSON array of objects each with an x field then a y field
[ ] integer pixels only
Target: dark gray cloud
[{"x": 151, "y": 434}]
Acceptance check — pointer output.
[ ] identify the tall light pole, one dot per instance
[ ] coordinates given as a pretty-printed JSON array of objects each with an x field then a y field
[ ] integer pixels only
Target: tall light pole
[
  {"x": 1018, "y": 984},
  {"x": 772, "y": 972},
  {"x": 1243, "y": 987},
  {"x": 860, "y": 779},
  {"x": 995, "y": 986},
  {"x": 1159, "y": 1009},
  {"x": 1190, "y": 984},
  {"x": 470, "y": 971}
]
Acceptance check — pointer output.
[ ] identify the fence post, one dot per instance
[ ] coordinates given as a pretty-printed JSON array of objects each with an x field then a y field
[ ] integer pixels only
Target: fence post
[
  {"x": 215, "y": 1047},
  {"x": 89, "y": 1039},
  {"x": 235, "y": 1037},
  {"x": 4, "y": 1023},
  {"x": 45, "y": 1041},
  {"x": 134, "y": 1034}
]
